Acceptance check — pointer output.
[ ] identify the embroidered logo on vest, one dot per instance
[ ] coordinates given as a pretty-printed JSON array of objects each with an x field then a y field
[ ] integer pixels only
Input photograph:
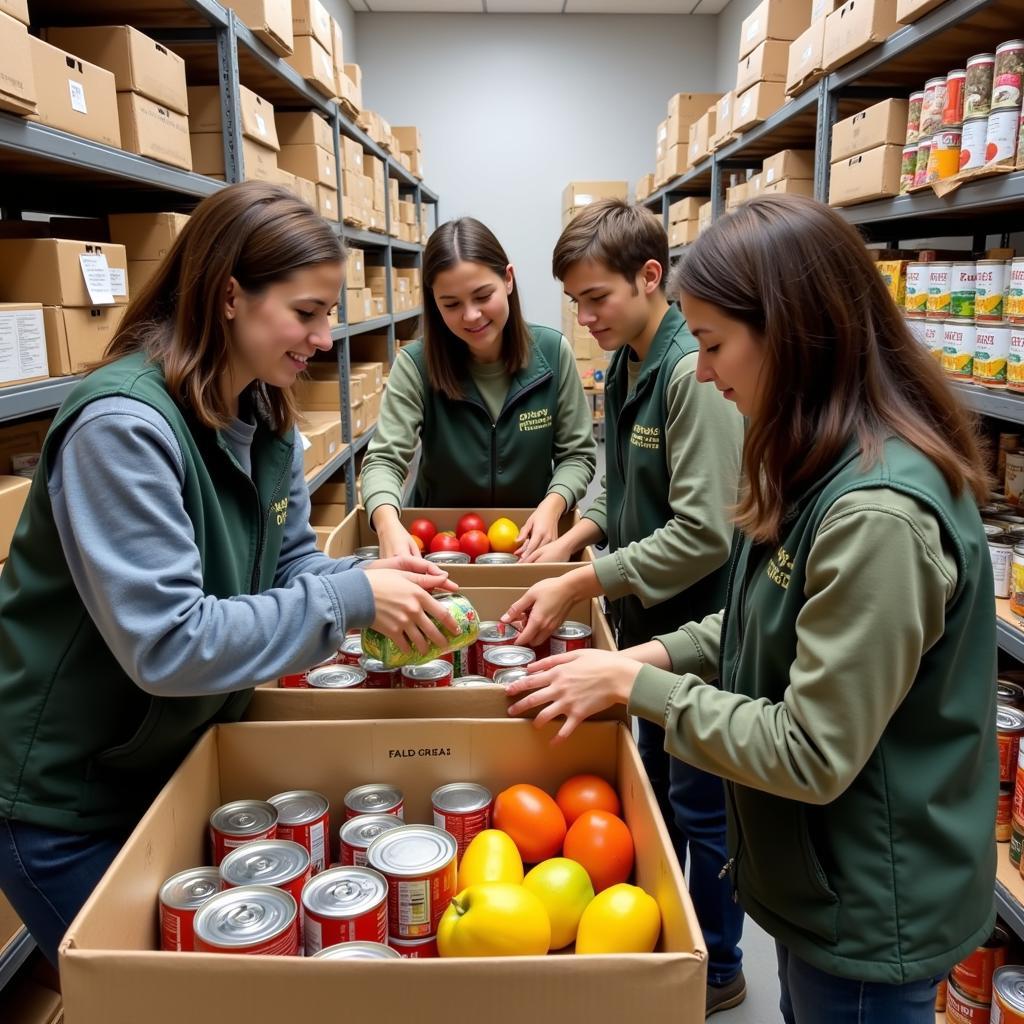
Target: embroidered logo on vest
[
  {"x": 280, "y": 509},
  {"x": 645, "y": 437},
  {"x": 779, "y": 568},
  {"x": 537, "y": 420}
]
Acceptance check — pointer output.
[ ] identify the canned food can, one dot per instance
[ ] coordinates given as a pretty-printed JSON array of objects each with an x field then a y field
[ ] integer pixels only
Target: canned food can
[
  {"x": 908, "y": 168},
  {"x": 337, "y": 677},
  {"x": 257, "y": 920},
  {"x": 944, "y": 158},
  {"x": 992, "y": 285},
  {"x": 300, "y": 680},
  {"x": 497, "y": 558},
  {"x": 414, "y": 949},
  {"x": 940, "y": 995},
  {"x": 449, "y": 558},
  {"x": 419, "y": 863},
  {"x": 958, "y": 343},
  {"x": 351, "y": 651},
  {"x": 377, "y": 676},
  {"x": 932, "y": 105},
  {"x": 1009, "y": 726},
  {"x": 492, "y": 635},
  {"x": 914, "y": 117},
  {"x": 973, "y": 140},
  {"x": 1015, "y": 292},
  {"x": 916, "y": 302},
  {"x": 471, "y": 681},
  {"x": 356, "y": 834},
  {"x": 240, "y": 822},
  {"x": 956, "y": 88},
  {"x": 1015, "y": 368},
  {"x": 514, "y": 656},
  {"x": 1017, "y": 807},
  {"x": 1004, "y": 814},
  {"x": 1008, "y": 75},
  {"x": 962, "y": 287},
  {"x": 940, "y": 286},
  {"x": 978, "y": 87},
  {"x": 1014, "y": 481},
  {"x": 374, "y": 798},
  {"x": 463, "y": 810},
  {"x": 1001, "y": 138},
  {"x": 1001, "y": 553},
  {"x": 181, "y": 896},
  {"x": 462, "y": 611},
  {"x": 345, "y": 904},
  {"x": 961, "y": 1009},
  {"x": 426, "y": 677},
  {"x": 1016, "y": 842},
  {"x": 367, "y": 553},
  {"x": 1012, "y": 693},
  {"x": 991, "y": 354},
  {"x": 934, "y": 338},
  {"x": 357, "y": 951},
  {"x": 462, "y": 661},
  {"x": 916, "y": 328},
  {"x": 304, "y": 817},
  {"x": 507, "y": 676},
  {"x": 1008, "y": 995},
  {"x": 571, "y": 636},
  {"x": 924, "y": 152}
]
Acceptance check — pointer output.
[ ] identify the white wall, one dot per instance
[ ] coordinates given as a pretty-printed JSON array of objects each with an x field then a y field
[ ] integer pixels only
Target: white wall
[
  {"x": 345, "y": 16},
  {"x": 512, "y": 108},
  {"x": 729, "y": 22}
]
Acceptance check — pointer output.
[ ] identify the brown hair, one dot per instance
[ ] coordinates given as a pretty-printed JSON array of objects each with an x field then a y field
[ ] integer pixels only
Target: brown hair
[
  {"x": 835, "y": 347},
  {"x": 466, "y": 239},
  {"x": 618, "y": 234},
  {"x": 257, "y": 233}
]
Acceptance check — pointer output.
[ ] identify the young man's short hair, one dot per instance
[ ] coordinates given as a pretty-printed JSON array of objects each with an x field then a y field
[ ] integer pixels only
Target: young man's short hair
[{"x": 618, "y": 234}]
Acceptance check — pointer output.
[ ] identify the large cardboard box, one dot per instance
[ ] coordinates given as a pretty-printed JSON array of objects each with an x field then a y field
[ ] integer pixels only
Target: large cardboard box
[
  {"x": 146, "y": 236},
  {"x": 337, "y": 46},
  {"x": 789, "y": 187},
  {"x": 140, "y": 272},
  {"x": 17, "y": 78},
  {"x": 355, "y": 269},
  {"x": 325, "y": 427},
  {"x": 304, "y": 128},
  {"x": 683, "y": 109},
  {"x": 683, "y": 233},
  {"x": 685, "y": 209},
  {"x": 22, "y": 343},
  {"x": 74, "y": 95},
  {"x": 758, "y": 104},
  {"x": 16, "y": 9},
  {"x": 766, "y": 63},
  {"x": 644, "y": 187},
  {"x": 315, "y": 64},
  {"x": 871, "y": 175},
  {"x": 790, "y": 163},
  {"x": 13, "y": 495},
  {"x": 50, "y": 271},
  {"x": 855, "y": 28},
  {"x": 699, "y": 142},
  {"x": 582, "y": 193},
  {"x": 409, "y": 138},
  {"x": 350, "y": 92},
  {"x": 774, "y": 19},
  {"x": 270, "y": 21},
  {"x": 259, "y": 162},
  {"x": 137, "y": 62},
  {"x": 259, "y": 122},
  {"x": 908, "y": 11},
  {"x": 310, "y": 18},
  {"x": 722, "y": 126},
  {"x": 311, "y": 162},
  {"x": 353, "y": 158},
  {"x": 806, "y": 59},
  {"x": 76, "y": 338},
  {"x": 154, "y": 131},
  {"x": 327, "y": 202},
  {"x": 884, "y": 124},
  {"x": 677, "y": 163},
  {"x": 111, "y": 972}
]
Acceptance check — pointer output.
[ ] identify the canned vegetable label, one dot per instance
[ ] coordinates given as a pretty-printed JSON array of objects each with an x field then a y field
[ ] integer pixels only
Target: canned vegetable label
[
  {"x": 914, "y": 117},
  {"x": 978, "y": 87},
  {"x": 991, "y": 354},
  {"x": 940, "y": 284},
  {"x": 992, "y": 285},
  {"x": 924, "y": 150},
  {"x": 384, "y": 649},
  {"x": 958, "y": 339},
  {"x": 1001, "y": 554},
  {"x": 181, "y": 896},
  {"x": 1008, "y": 75},
  {"x": 1015, "y": 292},
  {"x": 1001, "y": 140},
  {"x": 963, "y": 285},
  {"x": 973, "y": 139},
  {"x": 917, "y": 289}
]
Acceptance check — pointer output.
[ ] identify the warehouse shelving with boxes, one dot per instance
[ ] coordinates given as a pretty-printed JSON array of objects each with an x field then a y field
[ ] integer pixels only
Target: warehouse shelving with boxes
[{"x": 141, "y": 123}]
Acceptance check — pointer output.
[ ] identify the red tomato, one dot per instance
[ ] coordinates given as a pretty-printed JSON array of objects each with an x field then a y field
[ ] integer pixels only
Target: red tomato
[
  {"x": 532, "y": 819},
  {"x": 424, "y": 529},
  {"x": 446, "y": 541},
  {"x": 470, "y": 521},
  {"x": 586, "y": 793},
  {"x": 474, "y": 543},
  {"x": 601, "y": 842}
]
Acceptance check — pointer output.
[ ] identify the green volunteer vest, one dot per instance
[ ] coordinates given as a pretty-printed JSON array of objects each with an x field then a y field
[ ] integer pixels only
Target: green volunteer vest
[
  {"x": 892, "y": 881},
  {"x": 82, "y": 747},
  {"x": 469, "y": 461},
  {"x": 638, "y": 475}
]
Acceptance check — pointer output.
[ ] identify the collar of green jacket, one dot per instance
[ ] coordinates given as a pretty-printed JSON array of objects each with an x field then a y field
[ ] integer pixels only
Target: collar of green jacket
[{"x": 82, "y": 747}]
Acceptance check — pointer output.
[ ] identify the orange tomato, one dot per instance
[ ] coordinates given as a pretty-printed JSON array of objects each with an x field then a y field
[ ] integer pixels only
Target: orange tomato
[
  {"x": 418, "y": 541},
  {"x": 602, "y": 843},
  {"x": 532, "y": 819},
  {"x": 586, "y": 793}
]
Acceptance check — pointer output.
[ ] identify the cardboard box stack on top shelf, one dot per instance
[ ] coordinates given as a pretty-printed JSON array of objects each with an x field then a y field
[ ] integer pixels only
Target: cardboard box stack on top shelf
[
  {"x": 790, "y": 172},
  {"x": 856, "y": 27},
  {"x": 701, "y": 135},
  {"x": 644, "y": 187},
  {"x": 359, "y": 304},
  {"x": 684, "y": 220},
  {"x": 411, "y": 148},
  {"x": 673, "y": 138},
  {"x": 805, "y": 63},
  {"x": 259, "y": 134},
  {"x": 313, "y": 43},
  {"x": 269, "y": 20},
  {"x": 308, "y": 154},
  {"x": 350, "y": 89},
  {"x": 17, "y": 86}
]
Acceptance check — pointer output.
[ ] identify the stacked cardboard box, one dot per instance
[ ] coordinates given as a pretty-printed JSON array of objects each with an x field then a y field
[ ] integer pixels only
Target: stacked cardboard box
[
  {"x": 867, "y": 151},
  {"x": 147, "y": 239},
  {"x": 358, "y": 296},
  {"x": 684, "y": 220},
  {"x": 270, "y": 21},
  {"x": 17, "y": 85},
  {"x": 644, "y": 187},
  {"x": 720, "y": 128},
  {"x": 410, "y": 145},
  {"x": 856, "y": 27},
  {"x": 350, "y": 89},
  {"x": 309, "y": 154},
  {"x": 701, "y": 132},
  {"x": 322, "y": 431},
  {"x": 22, "y": 343},
  {"x": 407, "y": 289},
  {"x": 673, "y": 144},
  {"x": 259, "y": 134},
  {"x": 313, "y": 44},
  {"x": 790, "y": 172},
  {"x": 578, "y": 194},
  {"x": 805, "y": 64}
]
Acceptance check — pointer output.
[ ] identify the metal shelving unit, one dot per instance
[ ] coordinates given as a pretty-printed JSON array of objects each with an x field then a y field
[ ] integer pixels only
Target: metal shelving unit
[
  {"x": 16, "y": 953},
  {"x": 409, "y": 314},
  {"x": 1001, "y": 404}
]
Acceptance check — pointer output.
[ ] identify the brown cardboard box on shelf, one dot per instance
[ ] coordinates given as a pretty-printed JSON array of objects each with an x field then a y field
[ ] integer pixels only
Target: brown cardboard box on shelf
[
  {"x": 871, "y": 175},
  {"x": 683, "y": 233},
  {"x": 774, "y": 19},
  {"x": 146, "y": 236},
  {"x": 736, "y": 195},
  {"x": 699, "y": 141},
  {"x": 722, "y": 126},
  {"x": 259, "y": 162},
  {"x": 678, "y": 161},
  {"x": 806, "y": 59},
  {"x": 311, "y": 162},
  {"x": 685, "y": 209},
  {"x": 327, "y": 202},
  {"x": 372, "y": 370},
  {"x": 49, "y": 270},
  {"x": 820, "y": 9},
  {"x": 22, "y": 343},
  {"x": 325, "y": 426},
  {"x": 355, "y": 269},
  {"x": 153, "y": 131},
  {"x": 76, "y": 338},
  {"x": 19, "y": 439},
  {"x": 371, "y": 409},
  {"x": 314, "y": 63},
  {"x": 270, "y": 21},
  {"x": 13, "y": 494},
  {"x": 790, "y": 163},
  {"x": 17, "y": 84},
  {"x": 312, "y": 451},
  {"x": 409, "y": 138},
  {"x": 884, "y": 124},
  {"x": 303, "y": 128},
  {"x": 318, "y": 395},
  {"x": 74, "y": 95},
  {"x": 306, "y": 191},
  {"x": 352, "y": 155},
  {"x": 766, "y": 63},
  {"x": 259, "y": 122},
  {"x": 140, "y": 273},
  {"x": 310, "y": 18},
  {"x": 337, "y": 46},
  {"x": 16, "y": 9},
  {"x": 704, "y": 217},
  {"x": 349, "y": 90},
  {"x": 138, "y": 63},
  {"x": 855, "y": 28},
  {"x": 661, "y": 140},
  {"x": 758, "y": 104},
  {"x": 908, "y": 11},
  {"x": 790, "y": 187},
  {"x": 683, "y": 109},
  {"x": 644, "y": 187},
  {"x": 582, "y": 193}
]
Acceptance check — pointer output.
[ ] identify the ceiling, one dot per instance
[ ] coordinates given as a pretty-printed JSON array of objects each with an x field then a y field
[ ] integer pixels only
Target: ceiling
[{"x": 540, "y": 6}]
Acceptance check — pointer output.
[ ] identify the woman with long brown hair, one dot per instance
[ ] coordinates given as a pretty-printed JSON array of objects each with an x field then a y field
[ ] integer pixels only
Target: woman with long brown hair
[
  {"x": 164, "y": 564},
  {"x": 496, "y": 402},
  {"x": 845, "y": 693}
]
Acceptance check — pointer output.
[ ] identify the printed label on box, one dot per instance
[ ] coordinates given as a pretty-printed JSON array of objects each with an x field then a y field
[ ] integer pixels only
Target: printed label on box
[
  {"x": 22, "y": 345},
  {"x": 261, "y": 125},
  {"x": 769, "y": 176},
  {"x": 118, "y": 281},
  {"x": 77, "y": 91},
  {"x": 96, "y": 273}
]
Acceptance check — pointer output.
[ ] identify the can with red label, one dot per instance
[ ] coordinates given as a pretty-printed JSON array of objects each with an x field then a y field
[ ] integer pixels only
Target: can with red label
[
  {"x": 571, "y": 636},
  {"x": 498, "y": 658},
  {"x": 419, "y": 863},
  {"x": 378, "y": 677},
  {"x": 374, "y": 798},
  {"x": 953, "y": 110},
  {"x": 462, "y": 809},
  {"x": 358, "y": 951},
  {"x": 472, "y": 681},
  {"x": 1009, "y": 726},
  {"x": 351, "y": 652},
  {"x": 428, "y": 676},
  {"x": 932, "y": 105},
  {"x": 241, "y": 822},
  {"x": 1004, "y": 813},
  {"x": 415, "y": 949},
  {"x": 304, "y": 817},
  {"x": 257, "y": 920},
  {"x": 356, "y": 834},
  {"x": 1008, "y": 995},
  {"x": 300, "y": 680},
  {"x": 345, "y": 904},
  {"x": 973, "y": 975},
  {"x": 962, "y": 1009},
  {"x": 507, "y": 676},
  {"x": 492, "y": 634},
  {"x": 181, "y": 896},
  {"x": 338, "y": 677}
]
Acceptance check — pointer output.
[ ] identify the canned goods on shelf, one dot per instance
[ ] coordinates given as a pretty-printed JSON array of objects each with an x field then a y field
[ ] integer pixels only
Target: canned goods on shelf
[
  {"x": 1008, "y": 995},
  {"x": 914, "y": 117},
  {"x": 953, "y": 109},
  {"x": 1016, "y": 841},
  {"x": 514, "y": 656},
  {"x": 1008, "y": 75},
  {"x": 924, "y": 152},
  {"x": 1015, "y": 291},
  {"x": 940, "y": 285},
  {"x": 991, "y": 354},
  {"x": 992, "y": 285},
  {"x": 304, "y": 817},
  {"x": 933, "y": 338},
  {"x": 571, "y": 636},
  {"x": 462, "y": 809},
  {"x": 932, "y": 105},
  {"x": 978, "y": 86},
  {"x": 958, "y": 343},
  {"x": 356, "y": 834},
  {"x": 1004, "y": 814},
  {"x": 961, "y": 1009},
  {"x": 916, "y": 328},
  {"x": 963, "y": 285},
  {"x": 1015, "y": 367},
  {"x": 337, "y": 677},
  {"x": 351, "y": 650},
  {"x": 916, "y": 301},
  {"x": 358, "y": 951},
  {"x": 1000, "y": 550},
  {"x": 1010, "y": 692},
  {"x": 239, "y": 822},
  {"x": 973, "y": 975},
  {"x": 908, "y": 168},
  {"x": 1009, "y": 726},
  {"x": 374, "y": 798},
  {"x": 180, "y": 897},
  {"x": 1001, "y": 137},
  {"x": 430, "y": 675},
  {"x": 259, "y": 920},
  {"x": 973, "y": 140},
  {"x": 345, "y": 904},
  {"x": 378, "y": 676},
  {"x": 944, "y": 157}
]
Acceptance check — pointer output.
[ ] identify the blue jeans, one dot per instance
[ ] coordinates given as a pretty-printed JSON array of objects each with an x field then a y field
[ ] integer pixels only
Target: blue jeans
[
  {"x": 811, "y": 996},
  {"x": 692, "y": 803},
  {"x": 47, "y": 875}
]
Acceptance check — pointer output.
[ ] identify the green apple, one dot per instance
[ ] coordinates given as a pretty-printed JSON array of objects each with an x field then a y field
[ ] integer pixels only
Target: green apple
[{"x": 564, "y": 887}]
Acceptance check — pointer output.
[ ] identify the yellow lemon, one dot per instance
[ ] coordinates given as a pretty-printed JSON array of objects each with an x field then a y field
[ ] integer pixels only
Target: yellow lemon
[{"x": 622, "y": 919}]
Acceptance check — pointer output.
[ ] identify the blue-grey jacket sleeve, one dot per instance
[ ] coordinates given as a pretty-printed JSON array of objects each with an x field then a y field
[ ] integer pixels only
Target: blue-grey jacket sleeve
[{"x": 116, "y": 492}]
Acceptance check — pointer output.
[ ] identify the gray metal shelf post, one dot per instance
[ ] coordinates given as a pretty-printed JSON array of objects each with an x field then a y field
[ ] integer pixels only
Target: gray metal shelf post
[{"x": 230, "y": 99}]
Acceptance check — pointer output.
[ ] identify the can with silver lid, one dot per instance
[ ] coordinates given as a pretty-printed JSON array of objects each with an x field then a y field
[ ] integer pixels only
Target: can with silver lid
[
  {"x": 258, "y": 920},
  {"x": 449, "y": 558},
  {"x": 356, "y": 834},
  {"x": 1008, "y": 995},
  {"x": 304, "y": 817},
  {"x": 514, "y": 656},
  {"x": 351, "y": 650},
  {"x": 415, "y": 949},
  {"x": 507, "y": 676},
  {"x": 300, "y": 680},
  {"x": 1009, "y": 727},
  {"x": 492, "y": 634},
  {"x": 1000, "y": 550},
  {"x": 240, "y": 822},
  {"x": 571, "y": 636},
  {"x": 358, "y": 951},
  {"x": 374, "y": 798},
  {"x": 419, "y": 863},
  {"x": 181, "y": 896},
  {"x": 463, "y": 809},
  {"x": 471, "y": 681},
  {"x": 427, "y": 676},
  {"x": 346, "y": 904},
  {"x": 368, "y": 552},
  {"x": 497, "y": 558},
  {"x": 378, "y": 676},
  {"x": 337, "y": 677},
  {"x": 1010, "y": 692}
]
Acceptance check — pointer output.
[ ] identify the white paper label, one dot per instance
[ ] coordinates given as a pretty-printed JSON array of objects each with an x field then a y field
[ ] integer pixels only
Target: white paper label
[
  {"x": 806, "y": 56},
  {"x": 77, "y": 91},
  {"x": 745, "y": 107},
  {"x": 754, "y": 29},
  {"x": 770, "y": 176},
  {"x": 306, "y": 443},
  {"x": 22, "y": 345},
  {"x": 119, "y": 281},
  {"x": 261, "y": 125},
  {"x": 96, "y": 273}
]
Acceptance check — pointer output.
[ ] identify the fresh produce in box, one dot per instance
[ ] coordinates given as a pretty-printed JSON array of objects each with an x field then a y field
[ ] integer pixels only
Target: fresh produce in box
[
  {"x": 494, "y": 919},
  {"x": 565, "y": 889},
  {"x": 445, "y": 541},
  {"x": 622, "y": 919},
  {"x": 468, "y": 523},
  {"x": 601, "y": 842},
  {"x": 502, "y": 534},
  {"x": 586, "y": 793},
  {"x": 490, "y": 857},
  {"x": 474, "y": 543},
  {"x": 424, "y": 529},
  {"x": 532, "y": 819}
]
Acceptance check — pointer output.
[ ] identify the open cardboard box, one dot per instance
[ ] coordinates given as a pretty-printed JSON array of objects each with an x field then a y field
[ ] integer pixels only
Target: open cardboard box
[{"x": 112, "y": 972}]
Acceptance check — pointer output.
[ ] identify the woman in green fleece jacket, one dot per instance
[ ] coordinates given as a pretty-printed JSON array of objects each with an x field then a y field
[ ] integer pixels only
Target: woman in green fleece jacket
[
  {"x": 853, "y": 717},
  {"x": 496, "y": 402}
]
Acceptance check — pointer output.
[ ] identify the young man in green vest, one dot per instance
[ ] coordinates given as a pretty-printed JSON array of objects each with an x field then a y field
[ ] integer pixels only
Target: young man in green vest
[{"x": 672, "y": 474}]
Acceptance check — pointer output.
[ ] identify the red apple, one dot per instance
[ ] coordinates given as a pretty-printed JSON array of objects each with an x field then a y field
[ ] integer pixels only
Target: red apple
[
  {"x": 470, "y": 521},
  {"x": 446, "y": 541},
  {"x": 474, "y": 543},
  {"x": 424, "y": 529}
]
